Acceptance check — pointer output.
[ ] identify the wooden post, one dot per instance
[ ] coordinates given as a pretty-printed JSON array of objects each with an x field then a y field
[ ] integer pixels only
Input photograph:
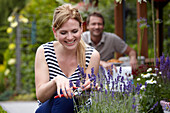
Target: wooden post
[
  {"x": 142, "y": 12},
  {"x": 18, "y": 55},
  {"x": 118, "y": 17},
  {"x": 159, "y": 31}
]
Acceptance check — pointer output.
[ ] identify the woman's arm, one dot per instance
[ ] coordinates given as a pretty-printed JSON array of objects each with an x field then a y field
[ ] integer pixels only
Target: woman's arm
[{"x": 44, "y": 88}]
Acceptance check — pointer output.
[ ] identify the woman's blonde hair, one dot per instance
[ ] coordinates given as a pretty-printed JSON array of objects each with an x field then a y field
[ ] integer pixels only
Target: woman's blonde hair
[{"x": 61, "y": 15}]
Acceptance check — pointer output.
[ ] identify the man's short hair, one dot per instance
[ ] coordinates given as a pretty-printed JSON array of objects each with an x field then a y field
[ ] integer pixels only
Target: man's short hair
[{"x": 97, "y": 14}]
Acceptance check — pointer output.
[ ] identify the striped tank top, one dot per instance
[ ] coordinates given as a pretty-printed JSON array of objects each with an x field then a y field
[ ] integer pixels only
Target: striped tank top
[{"x": 53, "y": 66}]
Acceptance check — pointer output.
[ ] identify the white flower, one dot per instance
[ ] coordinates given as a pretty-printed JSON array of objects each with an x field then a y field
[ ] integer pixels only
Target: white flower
[
  {"x": 142, "y": 87},
  {"x": 138, "y": 79},
  {"x": 141, "y": 1},
  {"x": 7, "y": 71},
  {"x": 160, "y": 72},
  {"x": 119, "y": 1},
  {"x": 159, "y": 85},
  {"x": 151, "y": 81},
  {"x": 11, "y": 61},
  {"x": 14, "y": 24},
  {"x": 154, "y": 74},
  {"x": 149, "y": 69},
  {"x": 11, "y": 18},
  {"x": 156, "y": 69},
  {"x": 23, "y": 19},
  {"x": 147, "y": 75}
]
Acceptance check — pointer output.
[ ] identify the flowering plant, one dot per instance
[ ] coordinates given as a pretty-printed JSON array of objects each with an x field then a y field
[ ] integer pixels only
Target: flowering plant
[
  {"x": 155, "y": 84},
  {"x": 114, "y": 94}
]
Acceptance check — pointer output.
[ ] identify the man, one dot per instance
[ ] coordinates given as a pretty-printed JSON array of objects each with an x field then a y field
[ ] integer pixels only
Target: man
[{"x": 104, "y": 42}]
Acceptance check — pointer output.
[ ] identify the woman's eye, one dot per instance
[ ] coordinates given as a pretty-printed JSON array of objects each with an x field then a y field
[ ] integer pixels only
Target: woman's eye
[
  {"x": 63, "y": 32},
  {"x": 75, "y": 31}
]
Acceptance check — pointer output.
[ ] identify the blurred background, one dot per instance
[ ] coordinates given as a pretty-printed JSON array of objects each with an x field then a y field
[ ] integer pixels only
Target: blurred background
[{"x": 26, "y": 24}]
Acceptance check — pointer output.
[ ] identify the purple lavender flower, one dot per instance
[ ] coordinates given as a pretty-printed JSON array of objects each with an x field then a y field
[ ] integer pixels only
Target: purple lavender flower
[
  {"x": 98, "y": 76},
  {"x": 92, "y": 79},
  {"x": 120, "y": 70},
  {"x": 122, "y": 79},
  {"x": 101, "y": 85},
  {"x": 112, "y": 84},
  {"x": 112, "y": 67},
  {"x": 134, "y": 99},
  {"x": 89, "y": 76},
  {"x": 112, "y": 94},
  {"x": 71, "y": 84},
  {"x": 94, "y": 83},
  {"x": 92, "y": 70},
  {"x": 78, "y": 83},
  {"x": 133, "y": 106},
  {"x": 106, "y": 91},
  {"x": 121, "y": 87},
  {"x": 145, "y": 84},
  {"x": 154, "y": 105},
  {"x": 157, "y": 62}
]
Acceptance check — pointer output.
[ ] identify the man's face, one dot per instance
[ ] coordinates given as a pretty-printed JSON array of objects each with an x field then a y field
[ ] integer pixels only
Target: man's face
[{"x": 95, "y": 26}]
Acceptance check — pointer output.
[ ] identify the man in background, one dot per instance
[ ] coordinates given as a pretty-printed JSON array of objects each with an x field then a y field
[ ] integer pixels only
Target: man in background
[{"x": 106, "y": 43}]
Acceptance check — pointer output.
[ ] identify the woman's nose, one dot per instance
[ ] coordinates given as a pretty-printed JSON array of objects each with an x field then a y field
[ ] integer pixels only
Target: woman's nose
[{"x": 69, "y": 36}]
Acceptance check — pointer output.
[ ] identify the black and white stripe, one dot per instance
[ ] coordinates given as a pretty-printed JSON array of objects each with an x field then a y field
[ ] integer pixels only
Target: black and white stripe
[{"x": 53, "y": 66}]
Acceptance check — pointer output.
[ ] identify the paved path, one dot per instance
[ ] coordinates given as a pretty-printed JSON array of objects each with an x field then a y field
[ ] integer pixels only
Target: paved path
[{"x": 19, "y": 106}]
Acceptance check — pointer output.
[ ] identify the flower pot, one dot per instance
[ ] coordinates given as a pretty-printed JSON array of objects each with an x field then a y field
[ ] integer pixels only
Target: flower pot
[{"x": 165, "y": 106}]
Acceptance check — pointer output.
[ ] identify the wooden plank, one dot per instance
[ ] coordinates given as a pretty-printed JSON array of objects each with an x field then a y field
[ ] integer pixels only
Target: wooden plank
[
  {"x": 118, "y": 21},
  {"x": 142, "y": 12},
  {"x": 159, "y": 30}
]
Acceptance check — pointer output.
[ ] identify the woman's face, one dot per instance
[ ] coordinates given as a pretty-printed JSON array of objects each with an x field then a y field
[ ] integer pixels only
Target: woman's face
[{"x": 69, "y": 34}]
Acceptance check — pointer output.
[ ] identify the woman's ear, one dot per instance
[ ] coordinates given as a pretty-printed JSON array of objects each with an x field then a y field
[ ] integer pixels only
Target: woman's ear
[{"x": 54, "y": 32}]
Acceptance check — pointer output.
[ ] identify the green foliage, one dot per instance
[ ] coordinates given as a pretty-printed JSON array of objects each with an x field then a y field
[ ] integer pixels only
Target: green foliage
[
  {"x": 7, "y": 7},
  {"x": 27, "y": 68},
  {"x": 107, "y": 10},
  {"x": 3, "y": 42},
  {"x": 6, "y": 95},
  {"x": 25, "y": 97},
  {"x": 10, "y": 69}
]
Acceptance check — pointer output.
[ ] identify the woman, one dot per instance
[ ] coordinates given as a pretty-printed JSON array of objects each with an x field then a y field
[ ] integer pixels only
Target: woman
[{"x": 57, "y": 62}]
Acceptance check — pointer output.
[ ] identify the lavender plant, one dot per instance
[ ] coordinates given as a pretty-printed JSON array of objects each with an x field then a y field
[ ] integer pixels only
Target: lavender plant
[{"x": 114, "y": 94}]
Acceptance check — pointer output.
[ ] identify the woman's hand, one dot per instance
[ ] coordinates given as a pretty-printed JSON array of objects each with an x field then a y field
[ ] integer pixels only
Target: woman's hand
[
  {"x": 63, "y": 84},
  {"x": 87, "y": 85}
]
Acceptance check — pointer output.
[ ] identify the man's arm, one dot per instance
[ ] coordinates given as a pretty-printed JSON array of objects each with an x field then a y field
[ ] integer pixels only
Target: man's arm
[{"x": 132, "y": 54}]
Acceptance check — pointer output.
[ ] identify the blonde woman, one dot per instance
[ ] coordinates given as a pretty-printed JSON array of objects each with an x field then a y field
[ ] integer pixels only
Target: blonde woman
[{"x": 57, "y": 62}]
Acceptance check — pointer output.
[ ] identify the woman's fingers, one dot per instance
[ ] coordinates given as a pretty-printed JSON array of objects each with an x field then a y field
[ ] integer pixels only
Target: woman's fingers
[
  {"x": 58, "y": 91},
  {"x": 68, "y": 91},
  {"x": 64, "y": 91},
  {"x": 86, "y": 85},
  {"x": 63, "y": 84}
]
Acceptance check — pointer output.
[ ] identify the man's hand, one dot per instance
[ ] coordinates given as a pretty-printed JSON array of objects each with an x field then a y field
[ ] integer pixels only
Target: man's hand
[{"x": 133, "y": 62}]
